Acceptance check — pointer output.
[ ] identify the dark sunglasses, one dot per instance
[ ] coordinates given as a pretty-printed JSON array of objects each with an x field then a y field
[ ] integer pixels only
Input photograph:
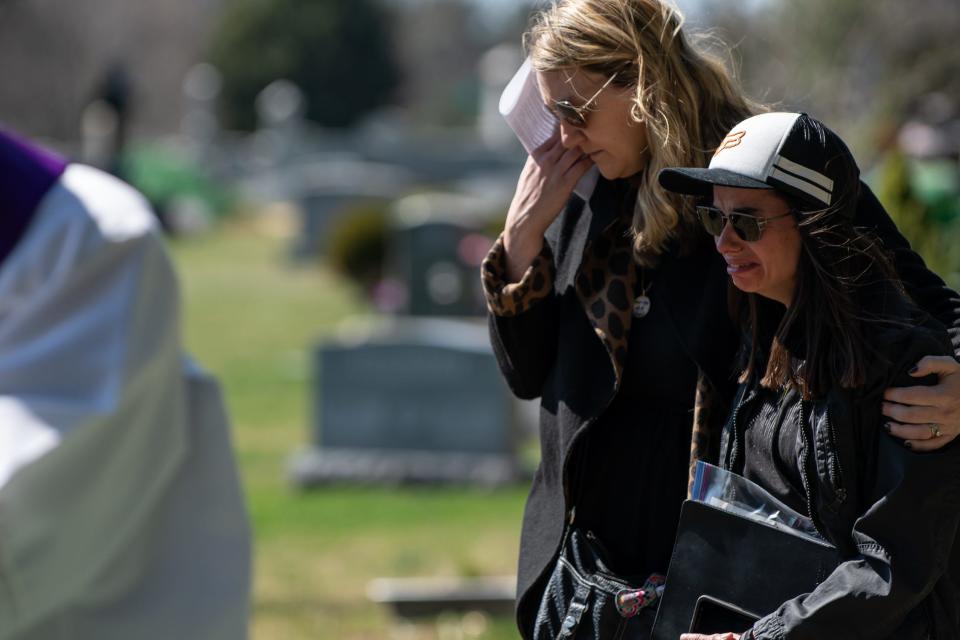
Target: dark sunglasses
[
  {"x": 748, "y": 228},
  {"x": 576, "y": 116}
]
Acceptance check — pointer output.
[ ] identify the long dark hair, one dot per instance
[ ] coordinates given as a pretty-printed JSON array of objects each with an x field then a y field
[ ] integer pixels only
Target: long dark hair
[{"x": 844, "y": 281}]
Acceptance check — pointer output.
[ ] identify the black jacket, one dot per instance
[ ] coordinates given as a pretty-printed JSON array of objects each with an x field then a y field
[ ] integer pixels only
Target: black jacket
[
  {"x": 548, "y": 345},
  {"x": 892, "y": 513}
]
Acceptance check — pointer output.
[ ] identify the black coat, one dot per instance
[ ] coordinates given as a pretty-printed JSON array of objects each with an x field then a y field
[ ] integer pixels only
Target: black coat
[
  {"x": 861, "y": 486},
  {"x": 549, "y": 344}
]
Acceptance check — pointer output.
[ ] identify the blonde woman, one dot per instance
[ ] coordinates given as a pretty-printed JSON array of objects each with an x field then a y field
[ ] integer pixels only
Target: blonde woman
[{"x": 611, "y": 312}]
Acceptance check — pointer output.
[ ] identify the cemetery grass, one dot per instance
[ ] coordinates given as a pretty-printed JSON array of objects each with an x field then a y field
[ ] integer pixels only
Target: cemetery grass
[{"x": 249, "y": 317}]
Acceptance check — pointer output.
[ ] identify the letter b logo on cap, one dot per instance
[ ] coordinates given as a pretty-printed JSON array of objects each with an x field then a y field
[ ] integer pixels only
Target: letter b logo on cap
[{"x": 732, "y": 140}]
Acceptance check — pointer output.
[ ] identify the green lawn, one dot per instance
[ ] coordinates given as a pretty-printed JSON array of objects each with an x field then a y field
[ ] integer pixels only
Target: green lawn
[{"x": 250, "y": 317}]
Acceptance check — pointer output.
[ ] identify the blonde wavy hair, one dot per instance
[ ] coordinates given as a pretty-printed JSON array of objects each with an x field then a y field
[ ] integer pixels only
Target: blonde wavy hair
[{"x": 686, "y": 96}]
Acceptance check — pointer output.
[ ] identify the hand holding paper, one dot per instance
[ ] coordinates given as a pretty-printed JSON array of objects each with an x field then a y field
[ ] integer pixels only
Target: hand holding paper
[
  {"x": 550, "y": 176},
  {"x": 522, "y": 107}
]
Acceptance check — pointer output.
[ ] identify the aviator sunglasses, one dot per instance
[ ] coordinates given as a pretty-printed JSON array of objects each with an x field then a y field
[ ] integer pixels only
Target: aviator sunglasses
[
  {"x": 577, "y": 116},
  {"x": 747, "y": 227}
]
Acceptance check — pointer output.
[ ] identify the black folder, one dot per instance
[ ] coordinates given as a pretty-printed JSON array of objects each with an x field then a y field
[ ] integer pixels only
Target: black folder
[{"x": 728, "y": 569}]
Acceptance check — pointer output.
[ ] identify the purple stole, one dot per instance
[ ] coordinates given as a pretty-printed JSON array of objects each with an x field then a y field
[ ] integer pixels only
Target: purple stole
[{"x": 26, "y": 174}]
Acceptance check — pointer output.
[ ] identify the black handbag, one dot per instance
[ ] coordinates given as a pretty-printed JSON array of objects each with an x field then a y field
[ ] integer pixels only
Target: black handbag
[
  {"x": 721, "y": 571},
  {"x": 583, "y": 599}
]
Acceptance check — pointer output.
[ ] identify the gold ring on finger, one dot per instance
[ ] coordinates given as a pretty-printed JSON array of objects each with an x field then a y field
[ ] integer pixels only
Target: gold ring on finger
[{"x": 935, "y": 430}]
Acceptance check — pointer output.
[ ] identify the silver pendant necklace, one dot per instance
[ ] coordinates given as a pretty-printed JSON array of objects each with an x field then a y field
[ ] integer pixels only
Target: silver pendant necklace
[{"x": 641, "y": 304}]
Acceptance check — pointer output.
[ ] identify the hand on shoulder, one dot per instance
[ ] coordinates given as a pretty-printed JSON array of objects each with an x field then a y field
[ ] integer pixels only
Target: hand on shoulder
[{"x": 926, "y": 417}]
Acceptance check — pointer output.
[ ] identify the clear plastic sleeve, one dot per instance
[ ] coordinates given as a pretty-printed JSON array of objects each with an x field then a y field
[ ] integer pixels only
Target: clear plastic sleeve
[{"x": 726, "y": 490}]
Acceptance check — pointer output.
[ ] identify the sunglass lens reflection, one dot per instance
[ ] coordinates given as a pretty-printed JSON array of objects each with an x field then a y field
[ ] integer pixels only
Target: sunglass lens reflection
[
  {"x": 570, "y": 114},
  {"x": 746, "y": 227},
  {"x": 751, "y": 230},
  {"x": 711, "y": 219}
]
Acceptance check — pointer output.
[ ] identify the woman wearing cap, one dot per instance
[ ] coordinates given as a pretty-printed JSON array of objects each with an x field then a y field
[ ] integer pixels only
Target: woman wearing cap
[
  {"x": 609, "y": 310},
  {"x": 827, "y": 328}
]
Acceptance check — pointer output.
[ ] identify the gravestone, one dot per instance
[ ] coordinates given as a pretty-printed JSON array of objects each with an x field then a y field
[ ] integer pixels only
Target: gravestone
[
  {"x": 329, "y": 184},
  {"x": 439, "y": 282},
  {"x": 417, "y": 400},
  {"x": 420, "y": 397},
  {"x": 433, "y": 252}
]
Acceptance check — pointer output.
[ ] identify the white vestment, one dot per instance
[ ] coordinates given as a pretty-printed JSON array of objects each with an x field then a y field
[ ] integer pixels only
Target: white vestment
[{"x": 121, "y": 515}]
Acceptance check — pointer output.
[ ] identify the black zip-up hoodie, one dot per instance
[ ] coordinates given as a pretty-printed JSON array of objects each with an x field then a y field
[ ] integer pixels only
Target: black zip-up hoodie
[{"x": 892, "y": 512}]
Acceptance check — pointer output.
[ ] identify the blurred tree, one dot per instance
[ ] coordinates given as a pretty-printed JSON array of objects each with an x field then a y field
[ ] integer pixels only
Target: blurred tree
[
  {"x": 856, "y": 64},
  {"x": 54, "y": 54},
  {"x": 339, "y": 53},
  {"x": 438, "y": 45},
  {"x": 929, "y": 223},
  {"x": 866, "y": 67}
]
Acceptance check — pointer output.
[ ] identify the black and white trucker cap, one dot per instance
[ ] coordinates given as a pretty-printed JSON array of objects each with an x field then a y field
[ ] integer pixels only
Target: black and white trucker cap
[{"x": 791, "y": 152}]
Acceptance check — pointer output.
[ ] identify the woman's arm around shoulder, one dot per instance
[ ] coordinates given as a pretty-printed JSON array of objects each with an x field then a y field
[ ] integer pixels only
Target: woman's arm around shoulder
[
  {"x": 927, "y": 417},
  {"x": 903, "y": 536}
]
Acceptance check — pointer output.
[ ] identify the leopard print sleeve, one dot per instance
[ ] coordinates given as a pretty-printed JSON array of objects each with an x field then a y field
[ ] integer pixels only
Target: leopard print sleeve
[
  {"x": 510, "y": 299},
  {"x": 709, "y": 415}
]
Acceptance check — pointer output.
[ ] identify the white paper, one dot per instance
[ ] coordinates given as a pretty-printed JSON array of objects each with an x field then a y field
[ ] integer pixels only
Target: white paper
[{"x": 522, "y": 107}]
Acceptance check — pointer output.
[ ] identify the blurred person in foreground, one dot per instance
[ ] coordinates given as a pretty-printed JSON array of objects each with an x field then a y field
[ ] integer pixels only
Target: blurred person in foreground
[
  {"x": 611, "y": 312},
  {"x": 121, "y": 514},
  {"x": 827, "y": 327}
]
